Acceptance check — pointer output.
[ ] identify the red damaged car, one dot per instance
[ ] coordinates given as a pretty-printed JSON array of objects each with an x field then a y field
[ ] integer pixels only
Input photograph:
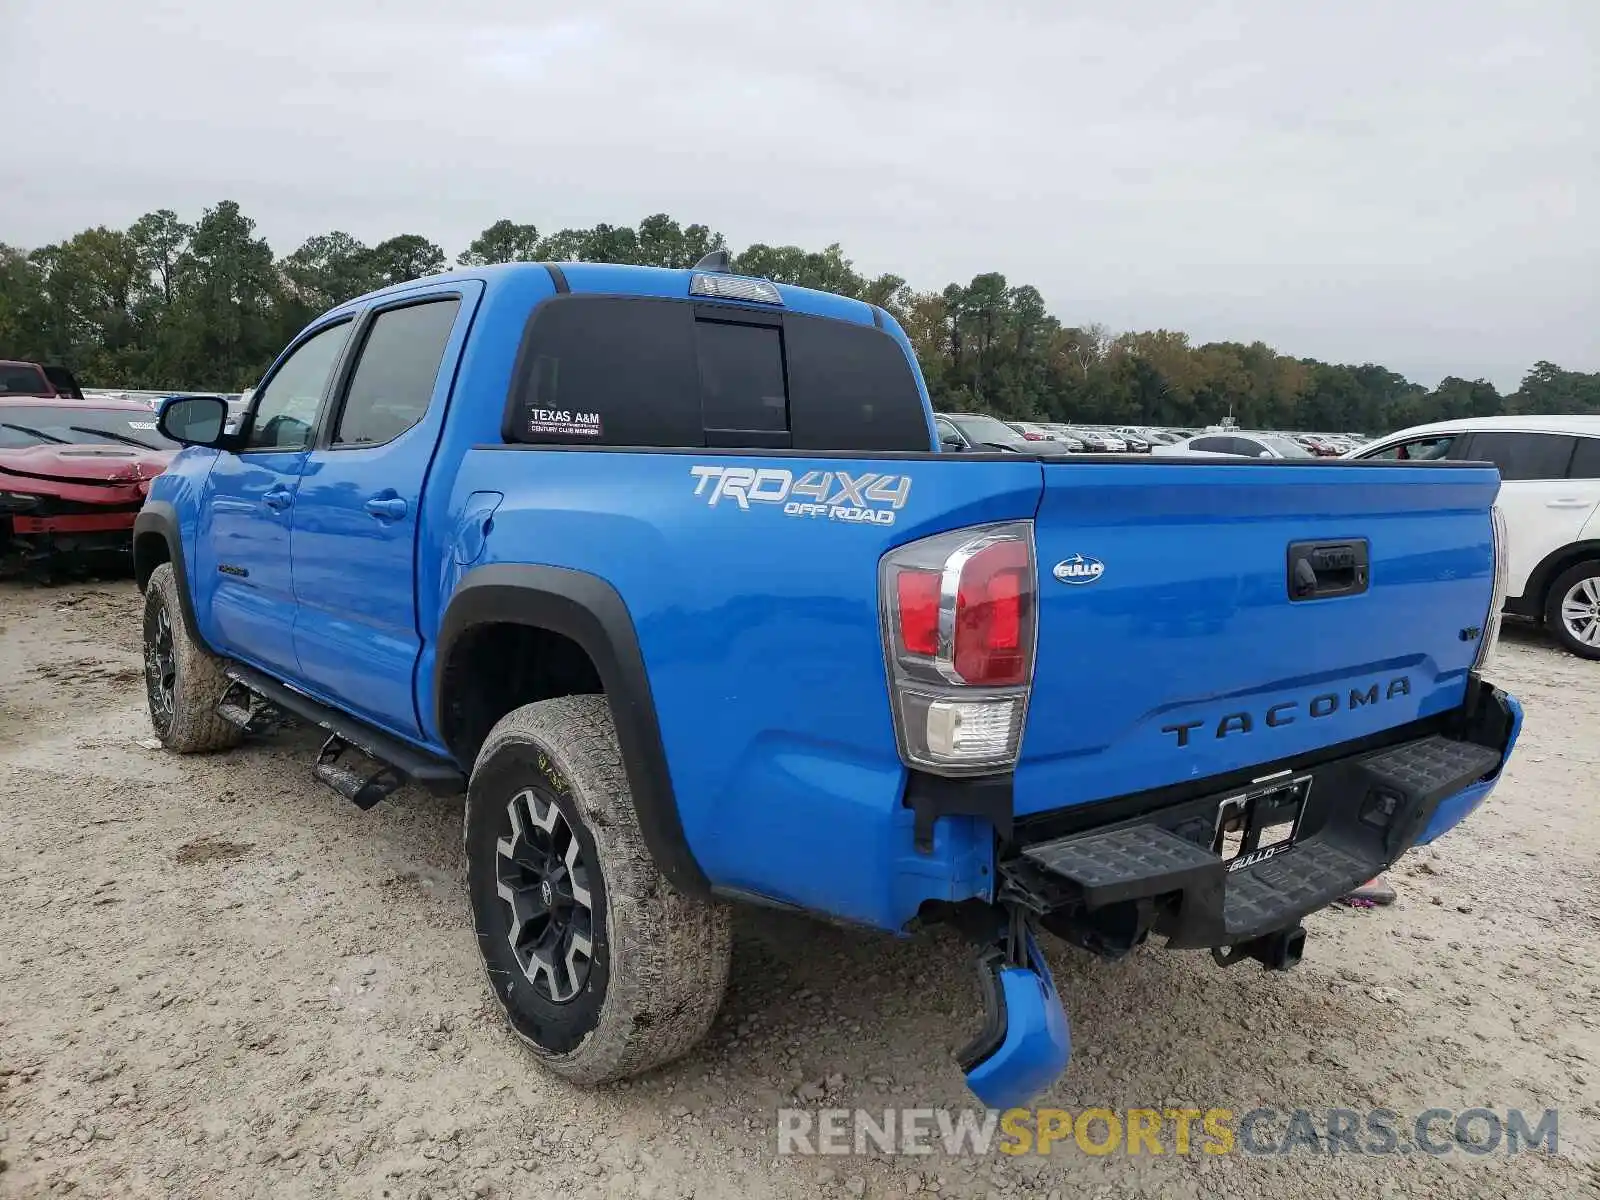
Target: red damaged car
[{"x": 73, "y": 475}]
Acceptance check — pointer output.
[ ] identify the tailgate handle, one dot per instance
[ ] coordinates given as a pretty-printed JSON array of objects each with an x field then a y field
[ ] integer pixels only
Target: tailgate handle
[{"x": 1321, "y": 569}]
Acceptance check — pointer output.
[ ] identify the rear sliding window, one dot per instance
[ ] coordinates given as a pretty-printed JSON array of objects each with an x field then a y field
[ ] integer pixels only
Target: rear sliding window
[{"x": 622, "y": 372}]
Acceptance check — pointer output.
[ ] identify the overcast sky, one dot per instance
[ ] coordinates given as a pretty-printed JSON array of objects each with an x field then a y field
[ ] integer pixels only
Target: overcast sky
[{"x": 1412, "y": 182}]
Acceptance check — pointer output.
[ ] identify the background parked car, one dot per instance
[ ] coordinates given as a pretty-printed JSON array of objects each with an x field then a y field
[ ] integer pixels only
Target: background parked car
[
  {"x": 73, "y": 474},
  {"x": 35, "y": 379},
  {"x": 1046, "y": 431},
  {"x": 1237, "y": 444},
  {"x": 1097, "y": 441},
  {"x": 1550, "y": 501},
  {"x": 975, "y": 432}
]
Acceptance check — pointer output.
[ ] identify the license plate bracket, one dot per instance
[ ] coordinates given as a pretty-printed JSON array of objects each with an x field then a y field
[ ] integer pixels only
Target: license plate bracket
[{"x": 1260, "y": 823}]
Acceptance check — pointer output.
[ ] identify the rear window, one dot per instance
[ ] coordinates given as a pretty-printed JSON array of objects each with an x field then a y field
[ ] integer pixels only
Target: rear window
[
  {"x": 624, "y": 372},
  {"x": 23, "y": 425},
  {"x": 851, "y": 388},
  {"x": 21, "y": 380},
  {"x": 742, "y": 386},
  {"x": 1524, "y": 455}
]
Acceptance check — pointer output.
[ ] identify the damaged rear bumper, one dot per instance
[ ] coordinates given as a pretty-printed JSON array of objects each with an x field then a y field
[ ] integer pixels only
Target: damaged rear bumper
[{"x": 1202, "y": 874}]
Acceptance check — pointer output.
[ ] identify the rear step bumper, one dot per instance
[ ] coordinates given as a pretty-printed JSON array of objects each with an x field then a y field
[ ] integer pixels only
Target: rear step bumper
[{"x": 1350, "y": 819}]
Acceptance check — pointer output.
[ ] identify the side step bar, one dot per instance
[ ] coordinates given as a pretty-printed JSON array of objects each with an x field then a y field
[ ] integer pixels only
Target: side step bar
[{"x": 397, "y": 761}]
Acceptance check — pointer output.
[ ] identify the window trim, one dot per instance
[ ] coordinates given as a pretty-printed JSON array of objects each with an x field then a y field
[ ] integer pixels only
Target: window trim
[
  {"x": 248, "y": 424},
  {"x": 345, "y": 373}
]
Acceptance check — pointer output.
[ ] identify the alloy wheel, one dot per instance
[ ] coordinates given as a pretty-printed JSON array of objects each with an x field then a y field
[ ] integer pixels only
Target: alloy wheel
[
  {"x": 1580, "y": 611},
  {"x": 161, "y": 668},
  {"x": 543, "y": 878}
]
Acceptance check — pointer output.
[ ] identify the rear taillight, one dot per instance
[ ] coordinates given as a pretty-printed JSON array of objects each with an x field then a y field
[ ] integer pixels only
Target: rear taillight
[
  {"x": 1034, "y": 437},
  {"x": 959, "y": 625},
  {"x": 1490, "y": 641}
]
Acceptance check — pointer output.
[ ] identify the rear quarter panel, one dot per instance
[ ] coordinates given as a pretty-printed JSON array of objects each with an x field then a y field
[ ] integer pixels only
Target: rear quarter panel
[{"x": 760, "y": 634}]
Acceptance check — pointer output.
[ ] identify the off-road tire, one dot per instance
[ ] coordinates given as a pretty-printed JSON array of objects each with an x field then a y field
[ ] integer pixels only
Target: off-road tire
[
  {"x": 1555, "y": 620},
  {"x": 192, "y": 725},
  {"x": 660, "y": 959}
]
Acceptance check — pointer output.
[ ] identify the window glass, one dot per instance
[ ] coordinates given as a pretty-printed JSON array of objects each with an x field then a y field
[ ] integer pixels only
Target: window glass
[
  {"x": 1419, "y": 450},
  {"x": 1287, "y": 448},
  {"x": 394, "y": 379},
  {"x": 286, "y": 408},
  {"x": 1217, "y": 445},
  {"x": 1586, "y": 462},
  {"x": 741, "y": 377},
  {"x": 23, "y": 425},
  {"x": 19, "y": 379},
  {"x": 609, "y": 371},
  {"x": 986, "y": 432},
  {"x": 1524, "y": 455},
  {"x": 850, "y": 388}
]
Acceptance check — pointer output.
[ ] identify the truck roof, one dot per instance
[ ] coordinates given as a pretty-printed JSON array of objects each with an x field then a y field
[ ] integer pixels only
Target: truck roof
[{"x": 614, "y": 279}]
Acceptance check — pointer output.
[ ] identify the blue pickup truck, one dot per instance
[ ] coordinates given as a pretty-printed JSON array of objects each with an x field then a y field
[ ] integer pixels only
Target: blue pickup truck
[{"x": 668, "y": 571}]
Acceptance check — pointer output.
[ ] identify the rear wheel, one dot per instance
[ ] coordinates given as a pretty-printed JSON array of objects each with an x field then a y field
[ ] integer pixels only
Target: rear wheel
[
  {"x": 182, "y": 680},
  {"x": 1572, "y": 609},
  {"x": 601, "y": 966}
]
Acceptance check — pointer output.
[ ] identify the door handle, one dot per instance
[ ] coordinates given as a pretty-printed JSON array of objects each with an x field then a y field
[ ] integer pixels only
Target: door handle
[
  {"x": 277, "y": 498},
  {"x": 1568, "y": 502},
  {"x": 386, "y": 508}
]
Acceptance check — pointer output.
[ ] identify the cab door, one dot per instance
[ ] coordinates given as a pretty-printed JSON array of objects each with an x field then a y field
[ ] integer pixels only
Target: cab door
[
  {"x": 354, "y": 546},
  {"x": 243, "y": 578}
]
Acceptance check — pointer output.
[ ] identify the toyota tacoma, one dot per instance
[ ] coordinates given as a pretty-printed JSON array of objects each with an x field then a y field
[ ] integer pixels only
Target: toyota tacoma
[{"x": 666, "y": 570}]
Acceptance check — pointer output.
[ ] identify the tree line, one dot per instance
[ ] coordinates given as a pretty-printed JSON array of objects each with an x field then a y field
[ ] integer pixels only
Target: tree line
[{"x": 207, "y": 305}]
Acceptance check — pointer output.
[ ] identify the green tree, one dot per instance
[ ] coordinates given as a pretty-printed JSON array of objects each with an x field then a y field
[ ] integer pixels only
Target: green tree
[
  {"x": 329, "y": 269},
  {"x": 504, "y": 241},
  {"x": 406, "y": 257},
  {"x": 224, "y": 326},
  {"x": 1549, "y": 389},
  {"x": 166, "y": 303}
]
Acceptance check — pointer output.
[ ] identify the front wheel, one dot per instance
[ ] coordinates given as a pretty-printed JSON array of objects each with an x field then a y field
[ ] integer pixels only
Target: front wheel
[
  {"x": 1572, "y": 611},
  {"x": 601, "y": 966},
  {"x": 183, "y": 681}
]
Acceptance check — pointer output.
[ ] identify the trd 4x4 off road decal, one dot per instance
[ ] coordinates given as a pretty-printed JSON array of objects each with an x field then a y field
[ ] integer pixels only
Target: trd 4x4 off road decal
[{"x": 868, "y": 498}]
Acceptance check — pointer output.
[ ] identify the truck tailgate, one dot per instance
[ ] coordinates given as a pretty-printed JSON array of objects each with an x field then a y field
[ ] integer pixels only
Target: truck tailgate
[{"x": 1170, "y": 648}]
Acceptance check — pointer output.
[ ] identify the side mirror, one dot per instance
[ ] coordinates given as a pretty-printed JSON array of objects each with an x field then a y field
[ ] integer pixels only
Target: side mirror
[
  {"x": 950, "y": 442},
  {"x": 1265, "y": 454},
  {"x": 194, "y": 420}
]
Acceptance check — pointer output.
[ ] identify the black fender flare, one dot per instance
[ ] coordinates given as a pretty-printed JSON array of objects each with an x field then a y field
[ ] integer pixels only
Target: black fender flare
[
  {"x": 159, "y": 519},
  {"x": 589, "y": 611}
]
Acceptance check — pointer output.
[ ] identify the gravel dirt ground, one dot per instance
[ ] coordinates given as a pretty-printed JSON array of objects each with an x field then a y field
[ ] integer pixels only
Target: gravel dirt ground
[{"x": 218, "y": 979}]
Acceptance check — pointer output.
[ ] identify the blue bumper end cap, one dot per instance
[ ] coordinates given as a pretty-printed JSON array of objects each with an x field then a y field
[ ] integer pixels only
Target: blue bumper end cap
[{"x": 1025, "y": 1043}]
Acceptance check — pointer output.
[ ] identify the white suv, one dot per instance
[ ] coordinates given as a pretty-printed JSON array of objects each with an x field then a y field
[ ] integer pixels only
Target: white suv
[{"x": 1550, "y": 495}]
